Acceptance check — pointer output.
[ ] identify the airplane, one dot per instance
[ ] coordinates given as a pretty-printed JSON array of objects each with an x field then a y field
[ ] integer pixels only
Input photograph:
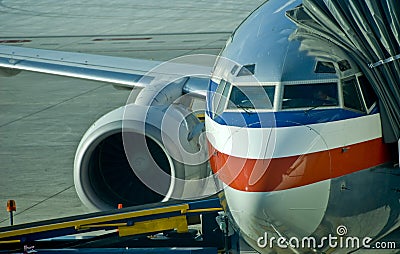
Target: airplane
[{"x": 292, "y": 133}]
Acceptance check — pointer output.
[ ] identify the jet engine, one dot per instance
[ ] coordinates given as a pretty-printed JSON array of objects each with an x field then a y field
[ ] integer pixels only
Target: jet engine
[{"x": 141, "y": 154}]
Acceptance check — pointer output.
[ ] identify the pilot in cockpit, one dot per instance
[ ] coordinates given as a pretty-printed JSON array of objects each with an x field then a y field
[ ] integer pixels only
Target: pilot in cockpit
[{"x": 321, "y": 95}]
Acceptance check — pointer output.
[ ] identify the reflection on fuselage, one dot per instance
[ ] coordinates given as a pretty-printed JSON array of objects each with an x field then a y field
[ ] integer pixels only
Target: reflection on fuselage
[{"x": 299, "y": 143}]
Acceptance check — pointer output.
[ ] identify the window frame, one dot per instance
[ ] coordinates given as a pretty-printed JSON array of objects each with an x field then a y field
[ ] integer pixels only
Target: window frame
[
  {"x": 358, "y": 87},
  {"x": 236, "y": 109},
  {"x": 314, "y": 82},
  {"x": 217, "y": 108},
  {"x": 279, "y": 93},
  {"x": 373, "y": 105}
]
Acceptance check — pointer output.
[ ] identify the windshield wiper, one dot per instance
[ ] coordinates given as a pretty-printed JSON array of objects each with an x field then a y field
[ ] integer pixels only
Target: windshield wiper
[
  {"x": 246, "y": 109},
  {"x": 314, "y": 107}
]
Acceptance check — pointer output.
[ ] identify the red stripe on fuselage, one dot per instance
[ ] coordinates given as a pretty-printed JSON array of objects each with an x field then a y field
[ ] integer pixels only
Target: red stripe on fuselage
[{"x": 264, "y": 175}]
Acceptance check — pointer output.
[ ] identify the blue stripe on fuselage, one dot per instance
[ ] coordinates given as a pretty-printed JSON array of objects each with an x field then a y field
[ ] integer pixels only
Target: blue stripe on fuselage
[{"x": 284, "y": 118}]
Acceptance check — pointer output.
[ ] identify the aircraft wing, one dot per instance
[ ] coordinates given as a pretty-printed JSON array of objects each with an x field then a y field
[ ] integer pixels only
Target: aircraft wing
[{"x": 119, "y": 71}]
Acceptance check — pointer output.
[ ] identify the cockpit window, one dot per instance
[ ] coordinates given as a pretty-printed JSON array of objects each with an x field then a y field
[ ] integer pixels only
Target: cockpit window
[
  {"x": 253, "y": 97},
  {"x": 310, "y": 95},
  {"x": 352, "y": 96},
  {"x": 220, "y": 97},
  {"x": 344, "y": 65},
  {"x": 367, "y": 90},
  {"x": 324, "y": 67}
]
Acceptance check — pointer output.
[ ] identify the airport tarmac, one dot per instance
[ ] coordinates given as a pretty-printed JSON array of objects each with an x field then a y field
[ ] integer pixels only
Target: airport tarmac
[{"x": 43, "y": 117}]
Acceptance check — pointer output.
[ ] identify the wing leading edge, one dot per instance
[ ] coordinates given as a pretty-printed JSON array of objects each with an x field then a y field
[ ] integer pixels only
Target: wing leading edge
[{"x": 119, "y": 71}]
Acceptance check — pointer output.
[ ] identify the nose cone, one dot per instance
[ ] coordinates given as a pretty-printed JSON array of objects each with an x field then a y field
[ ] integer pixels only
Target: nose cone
[
  {"x": 276, "y": 180},
  {"x": 290, "y": 213}
]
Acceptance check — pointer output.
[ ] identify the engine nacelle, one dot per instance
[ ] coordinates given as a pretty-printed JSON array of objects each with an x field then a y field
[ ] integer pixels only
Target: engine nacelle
[{"x": 107, "y": 171}]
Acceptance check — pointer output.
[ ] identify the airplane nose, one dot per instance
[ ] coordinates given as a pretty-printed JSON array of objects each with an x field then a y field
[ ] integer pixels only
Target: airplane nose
[
  {"x": 265, "y": 160},
  {"x": 296, "y": 212},
  {"x": 285, "y": 188}
]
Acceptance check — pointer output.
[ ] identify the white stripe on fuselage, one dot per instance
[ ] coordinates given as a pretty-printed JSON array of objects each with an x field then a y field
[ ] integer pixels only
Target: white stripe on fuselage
[{"x": 266, "y": 143}]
